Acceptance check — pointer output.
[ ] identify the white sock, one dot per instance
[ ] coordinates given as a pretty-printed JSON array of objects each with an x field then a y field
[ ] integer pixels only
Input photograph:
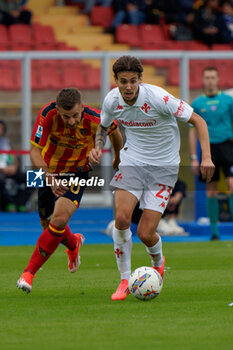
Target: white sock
[
  {"x": 122, "y": 248},
  {"x": 156, "y": 253}
]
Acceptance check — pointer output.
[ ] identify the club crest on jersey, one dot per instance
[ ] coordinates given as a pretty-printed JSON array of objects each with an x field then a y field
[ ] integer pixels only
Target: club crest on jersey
[
  {"x": 166, "y": 98},
  {"x": 83, "y": 132},
  {"x": 118, "y": 177},
  {"x": 145, "y": 108},
  {"x": 119, "y": 107}
]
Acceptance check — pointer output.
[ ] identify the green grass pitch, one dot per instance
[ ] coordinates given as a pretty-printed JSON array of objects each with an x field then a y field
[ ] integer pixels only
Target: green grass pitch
[{"x": 75, "y": 311}]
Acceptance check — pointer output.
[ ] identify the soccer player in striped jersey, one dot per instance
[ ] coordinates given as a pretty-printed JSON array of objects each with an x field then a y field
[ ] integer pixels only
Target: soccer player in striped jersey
[{"x": 62, "y": 137}]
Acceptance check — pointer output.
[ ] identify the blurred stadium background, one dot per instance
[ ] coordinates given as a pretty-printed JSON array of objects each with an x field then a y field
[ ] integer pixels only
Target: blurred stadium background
[{"x": 64, "y": 47}]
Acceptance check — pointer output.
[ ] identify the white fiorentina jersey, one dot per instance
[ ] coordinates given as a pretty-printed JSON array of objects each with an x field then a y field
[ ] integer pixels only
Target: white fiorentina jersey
[{"x": 151, "y": 130}]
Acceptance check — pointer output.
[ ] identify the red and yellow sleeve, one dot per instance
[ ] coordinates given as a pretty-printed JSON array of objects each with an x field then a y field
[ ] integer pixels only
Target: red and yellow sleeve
[
  {"x": 113, "y": 127},
  {"x": 42, "y": 127}
]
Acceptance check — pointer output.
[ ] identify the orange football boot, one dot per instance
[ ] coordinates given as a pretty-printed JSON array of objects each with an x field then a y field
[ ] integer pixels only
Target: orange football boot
[
  {"x": 73, "y": 256},
  {"x": 122, "y": 290},
  {"x": 25, "y": 282},
  {"x": 160, "y": 269}
]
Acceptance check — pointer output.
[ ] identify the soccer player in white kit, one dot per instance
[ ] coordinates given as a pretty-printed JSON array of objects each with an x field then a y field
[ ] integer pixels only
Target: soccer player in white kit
[{"x": 149, "y": 160}]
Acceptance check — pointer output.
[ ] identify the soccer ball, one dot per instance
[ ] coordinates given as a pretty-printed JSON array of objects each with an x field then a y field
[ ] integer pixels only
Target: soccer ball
[{"x": 145, "y": 283}]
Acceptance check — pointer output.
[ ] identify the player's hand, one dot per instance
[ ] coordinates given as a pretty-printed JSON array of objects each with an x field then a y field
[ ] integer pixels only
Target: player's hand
[
  {"x": 195, "y": 166},
  {"x": 95, "y": 155},
  {"x": 59, "y": 190},
  {"x": 115, "y": 163},
  {"x": 207, "y": 169}
]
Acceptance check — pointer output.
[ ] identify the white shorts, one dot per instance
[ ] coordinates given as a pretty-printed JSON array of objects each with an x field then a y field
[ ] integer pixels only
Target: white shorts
[{"x": 151, "y": 185}]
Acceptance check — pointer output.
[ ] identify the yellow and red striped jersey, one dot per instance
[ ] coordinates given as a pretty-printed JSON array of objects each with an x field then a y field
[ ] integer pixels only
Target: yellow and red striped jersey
[{"x": 63, "y": 149}]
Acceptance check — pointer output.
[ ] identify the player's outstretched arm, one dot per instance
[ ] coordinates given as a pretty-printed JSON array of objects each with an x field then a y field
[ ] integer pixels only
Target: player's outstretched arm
[
  {"x": 37, "y": 159},
  {"x": 117, "y": 144},
  {"x": 193, "y": 153},
  {"x": 207, "y": 167},
  {"x": 100, "y": 139}
]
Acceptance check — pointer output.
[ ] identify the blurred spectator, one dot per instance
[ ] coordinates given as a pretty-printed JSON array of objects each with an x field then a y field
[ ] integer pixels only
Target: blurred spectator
[
  {"x": 88, "y": 4},
  {"x": 174, "y": 11},
  {"x": 132, "y": 12},
  {"x": 13, "y": 192},
  {"x": 8, "y": 166},
  {"x": 13, "y": 12},
  {"x": 227, "y": 10},
  {"x": 152, "y": 12},
  {"x": 180, "y": 14},
  {"x": 198, "y": 4},
  {"x": 209, "y": 25}
]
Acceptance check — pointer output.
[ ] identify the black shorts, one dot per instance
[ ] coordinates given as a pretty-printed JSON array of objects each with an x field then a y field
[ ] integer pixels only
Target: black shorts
[
  {"x": 222, "y": 157},
  {"x": 46, "y": 198}
]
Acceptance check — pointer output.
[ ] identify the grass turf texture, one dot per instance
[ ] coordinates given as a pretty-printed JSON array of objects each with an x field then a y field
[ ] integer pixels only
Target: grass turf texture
[{"x": 75, "y": 311}]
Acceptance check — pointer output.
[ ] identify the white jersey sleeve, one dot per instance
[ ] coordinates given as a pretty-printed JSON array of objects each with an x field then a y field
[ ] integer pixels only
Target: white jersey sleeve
[
  {"x": 107, "y": 115},
  {"x": 168, "y": 105}
]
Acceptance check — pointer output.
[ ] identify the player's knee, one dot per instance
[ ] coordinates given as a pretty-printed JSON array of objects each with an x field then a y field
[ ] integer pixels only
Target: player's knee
[
  {"x": 142, "y": 235},
  {"x": 59, "y": 221},
  {"x": 122, "y": 220},
  {"x": 146, "y": 234}
]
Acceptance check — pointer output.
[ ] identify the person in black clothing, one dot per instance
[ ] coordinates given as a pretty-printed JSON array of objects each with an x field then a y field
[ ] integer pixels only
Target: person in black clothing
[
  {"x": 14, "y": 194},
  {"x": 131, "y": 12},
  {"x": 14, "y": 12},
  {"x": 209, "y": 25}
]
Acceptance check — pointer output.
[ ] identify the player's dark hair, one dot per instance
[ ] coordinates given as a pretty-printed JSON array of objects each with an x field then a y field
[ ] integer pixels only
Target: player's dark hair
[
  {"x": 127, "y": 64},
  {"x": 209, "y": 68},
  {"x": 67, "y": 98}
]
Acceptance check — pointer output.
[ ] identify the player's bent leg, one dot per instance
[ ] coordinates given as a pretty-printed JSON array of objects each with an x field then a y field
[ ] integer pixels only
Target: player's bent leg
[
  {"x": 147, "y": 233},
  {"x": 125, "y": 203},
  {"x": 122, "y": 248},
  {"x": 46, "y": 245},
  {"x": 147, "y": 227},
  {"x": 64, "y": 209}
]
